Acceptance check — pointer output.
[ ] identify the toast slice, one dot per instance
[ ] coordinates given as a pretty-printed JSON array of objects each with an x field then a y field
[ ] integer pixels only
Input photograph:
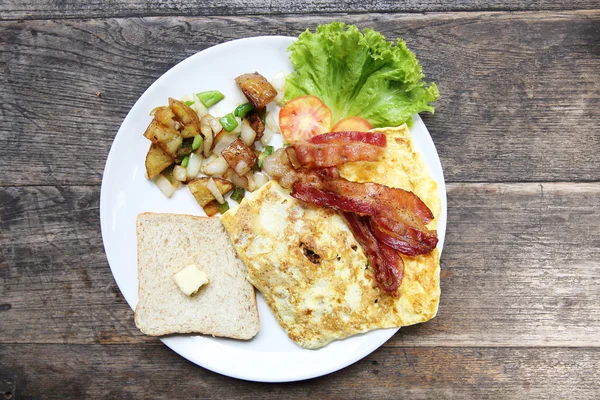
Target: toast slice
[{"x": 166, "y": 243}]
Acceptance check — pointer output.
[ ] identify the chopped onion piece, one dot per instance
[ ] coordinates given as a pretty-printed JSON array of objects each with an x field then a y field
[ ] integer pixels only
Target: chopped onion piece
[
  {"x": 240, "y": 167},
  {"x": 238, "y": 128},
  {"x": 279, "y": 98},
  {"x": 212, "y": 186},
  {"x": 206, "y": 129},
  {"x": 251, "y": 183},
  {"x": 223, "y": 142},
  {"x": 216, "y": 167},
  {"x": 186, "y": 97},
  {"x": 271, "y": 122},
  {"x": 215, "y": 125},
  {"x": 164, "y": 185},
  {"x": 180, "y": 173},
  {"x": 260, "y": 179},
  {"x": 266, "y": 138},
  {"x": 247, "y": 134},
  {"x": 278, "y": 81},
  {"x": 210, "y": 159},
  {"x": 239, "y": 181},
  {"x": 200, "y": 108},
  {"x": 193, "y": 167}
]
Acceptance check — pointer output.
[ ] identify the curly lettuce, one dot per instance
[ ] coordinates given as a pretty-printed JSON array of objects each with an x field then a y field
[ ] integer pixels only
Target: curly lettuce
[{"x": 359, "y": 74}]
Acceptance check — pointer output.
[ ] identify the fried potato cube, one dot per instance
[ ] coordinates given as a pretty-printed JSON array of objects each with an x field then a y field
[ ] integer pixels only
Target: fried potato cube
[
  {"x": 168, "y": 138},
  {"x": 201, "y": 192},
  {"x": 240, "y": 157},
  {"x": 211, "y": 208},
  {"x": 256, "y": 88},
  {"x": 186, "y": 117},
  {"x": 164, "y": 115},
  {"x": 189, "y": 131},
  {"x": 157, "y": 160}
]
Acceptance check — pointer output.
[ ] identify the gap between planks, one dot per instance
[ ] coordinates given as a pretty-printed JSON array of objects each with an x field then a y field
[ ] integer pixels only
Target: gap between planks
[{"x": 325, "y": 16}]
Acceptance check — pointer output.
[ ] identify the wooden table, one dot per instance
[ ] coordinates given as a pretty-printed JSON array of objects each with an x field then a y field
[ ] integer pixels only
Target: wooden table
[{"x": 517, "y": 128}]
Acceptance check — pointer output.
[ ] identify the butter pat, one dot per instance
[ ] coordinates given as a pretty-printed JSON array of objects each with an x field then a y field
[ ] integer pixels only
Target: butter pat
[{"x": 190, "y": 279}]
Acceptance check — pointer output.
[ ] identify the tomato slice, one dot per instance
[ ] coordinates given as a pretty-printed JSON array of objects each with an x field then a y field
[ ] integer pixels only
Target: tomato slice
[
  {"x": 303, "y": 118},
  {"x": 352, "y": 124}
]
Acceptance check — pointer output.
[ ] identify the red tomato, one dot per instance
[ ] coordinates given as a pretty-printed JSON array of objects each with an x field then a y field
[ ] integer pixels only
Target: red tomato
[
  {"x": 352, "y": 124},
  {"x": 303, "y": 118}
]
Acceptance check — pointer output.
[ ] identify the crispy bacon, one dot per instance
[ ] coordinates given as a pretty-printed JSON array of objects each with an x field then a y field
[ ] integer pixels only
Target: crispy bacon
[
  {"x": 397, "y": 224},
  {"x": 335, "y": 148},
  {"x": 328, "y": 173},
  {"x": 366, "y": 198},
  {"x": 404, "y": 238},
  {"x": 385, "y": 261},
  {"x": 310, "y": 192},
  {"x": 386, "y": 197},
  {"x": 374, "y": 138}
]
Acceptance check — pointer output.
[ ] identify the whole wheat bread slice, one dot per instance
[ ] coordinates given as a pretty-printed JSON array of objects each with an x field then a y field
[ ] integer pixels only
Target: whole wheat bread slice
[{"x": 167, "y": 243}]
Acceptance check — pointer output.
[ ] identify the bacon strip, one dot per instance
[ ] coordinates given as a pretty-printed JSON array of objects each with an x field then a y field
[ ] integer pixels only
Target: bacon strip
[
  {"x": 395, "y": 224},
  {"x": 387, "y": 264},
  {"x": 391, "y": 198},
  {"x": 335, "y": 148},
  {"x": 311, "y": 193},
  {"x": 374, "y": 138},
  {"x": 404, "y": 238},
  {"x": 366, "y": 198}
]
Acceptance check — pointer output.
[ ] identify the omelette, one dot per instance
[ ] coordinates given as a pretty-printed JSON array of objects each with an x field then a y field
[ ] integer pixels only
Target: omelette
[{"x": 310, "y": 269}]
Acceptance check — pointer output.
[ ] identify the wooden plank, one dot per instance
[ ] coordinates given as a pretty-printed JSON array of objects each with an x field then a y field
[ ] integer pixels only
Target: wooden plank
[
  {"x": 56, "y": 9},
  {"x": 149, "y": 371},
  {"x": 519, "y": 268},
  {"x": 526, "y": 107}
]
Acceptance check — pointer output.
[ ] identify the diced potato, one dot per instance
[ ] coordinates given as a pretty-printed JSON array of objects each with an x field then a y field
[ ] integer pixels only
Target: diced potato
[
  {"x": 187, "y": 117},
  {"x": 256, "y": 88},
  {"x": 168, "y": 138},
  {"x": 202, "y": 193},
  {"x": 165, "y": 116},
  {"x": 184, "y": 113},
  {"x": 189, "y": 131},
  {"x": 240, "y": 157},
  {"x": 157, "y": 160},
  {"x": 211, "y": 208}
]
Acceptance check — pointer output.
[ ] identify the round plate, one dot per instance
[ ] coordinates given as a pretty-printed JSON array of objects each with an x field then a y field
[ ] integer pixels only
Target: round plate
[{"x": 270, "y": 356}]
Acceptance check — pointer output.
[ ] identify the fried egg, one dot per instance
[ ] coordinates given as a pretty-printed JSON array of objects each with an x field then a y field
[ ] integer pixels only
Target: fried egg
[{"x": 310, "y": 269}]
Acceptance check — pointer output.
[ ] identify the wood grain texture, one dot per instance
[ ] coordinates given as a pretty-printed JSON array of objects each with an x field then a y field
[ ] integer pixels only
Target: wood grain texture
[
  {"x": 520, "y": 94},
  {"x": 58, "y": 9},
  {"x": 519, "y": 268},
  {"x": 149, "y": 371}
]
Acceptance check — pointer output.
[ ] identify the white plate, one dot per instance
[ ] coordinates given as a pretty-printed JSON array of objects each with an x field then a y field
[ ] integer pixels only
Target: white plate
[{"x": 271, "y": 356}]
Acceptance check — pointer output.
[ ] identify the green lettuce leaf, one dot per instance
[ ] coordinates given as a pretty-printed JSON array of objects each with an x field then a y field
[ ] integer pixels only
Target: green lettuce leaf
[{"x": 359, "y": 74}]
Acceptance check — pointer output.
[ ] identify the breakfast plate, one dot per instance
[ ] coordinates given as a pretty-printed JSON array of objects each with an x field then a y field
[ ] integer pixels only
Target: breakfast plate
[{"x": 270, "y": 356}]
